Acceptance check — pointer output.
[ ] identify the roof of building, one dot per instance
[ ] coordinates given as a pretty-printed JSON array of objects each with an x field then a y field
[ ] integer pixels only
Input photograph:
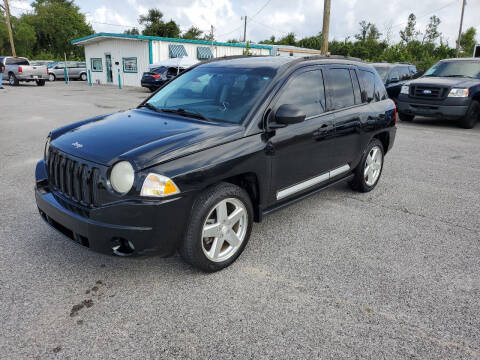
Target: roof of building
[{"x": 103, "y": 35}]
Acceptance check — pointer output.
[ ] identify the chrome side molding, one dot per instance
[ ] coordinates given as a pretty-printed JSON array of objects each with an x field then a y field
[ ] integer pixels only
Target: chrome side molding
[{"x": 311, "y": 182}]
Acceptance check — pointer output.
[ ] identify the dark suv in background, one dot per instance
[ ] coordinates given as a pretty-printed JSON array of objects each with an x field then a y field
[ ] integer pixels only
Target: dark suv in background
[
  {"x": 217, "y": 148},
  {"x": 394, "y": 76},
  {"x": 155, "y": 78},
  {"x": 450, "y": 90}
]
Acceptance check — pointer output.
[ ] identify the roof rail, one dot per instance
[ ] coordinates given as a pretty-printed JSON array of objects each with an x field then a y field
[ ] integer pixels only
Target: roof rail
[{"x": 339, "y": 57}]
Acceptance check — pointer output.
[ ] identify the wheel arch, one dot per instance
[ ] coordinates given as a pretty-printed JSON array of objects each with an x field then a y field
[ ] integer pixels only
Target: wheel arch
[
  {"x": 384, "y": 138},
  {"x": 249, "y": 182}
]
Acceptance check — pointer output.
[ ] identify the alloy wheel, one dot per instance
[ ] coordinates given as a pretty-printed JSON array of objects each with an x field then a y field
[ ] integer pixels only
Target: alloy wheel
[
  {"x": 373, "y": 166},
  {"x": 224, "y": 230}
]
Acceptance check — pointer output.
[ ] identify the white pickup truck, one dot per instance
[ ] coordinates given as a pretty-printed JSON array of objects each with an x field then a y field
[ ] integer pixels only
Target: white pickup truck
[{"x": 19, "y": 69}]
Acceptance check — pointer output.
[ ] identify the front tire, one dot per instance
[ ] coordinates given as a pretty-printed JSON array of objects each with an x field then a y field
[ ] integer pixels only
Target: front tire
[
  {"x": 473, "y": 115},
  {"x": 219, "y": 228},
  {"x": 406, "y": 117},
  {"x": 52, "y": 77},
  {"x": 83, "y": 77},
  {"x": 369, "y": 170}
]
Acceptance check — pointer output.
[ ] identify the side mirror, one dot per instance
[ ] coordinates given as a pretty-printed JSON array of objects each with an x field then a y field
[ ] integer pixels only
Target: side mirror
[
  {"x": 394, "y": 80},
  {"x": 288, "y": 114}
]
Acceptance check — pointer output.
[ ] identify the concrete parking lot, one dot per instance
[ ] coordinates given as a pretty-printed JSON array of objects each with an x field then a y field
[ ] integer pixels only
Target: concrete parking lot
[{"x": 392, "y": 274}]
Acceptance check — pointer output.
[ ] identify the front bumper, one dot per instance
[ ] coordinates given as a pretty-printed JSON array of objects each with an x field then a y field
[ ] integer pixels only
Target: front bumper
[
  {"x": 447, "y": 109},
  {"x": 129, "y": 227}
]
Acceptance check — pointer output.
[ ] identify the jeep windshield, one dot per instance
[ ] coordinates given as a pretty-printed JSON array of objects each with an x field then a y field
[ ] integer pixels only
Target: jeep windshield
[
  {"x": 462, "y": 68},
  {"x": 223, "y": 94}
]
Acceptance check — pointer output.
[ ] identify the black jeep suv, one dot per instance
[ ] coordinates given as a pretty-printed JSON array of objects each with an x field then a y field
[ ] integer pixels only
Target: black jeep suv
[
  {"x": 394, "y": 76},
  {"x": 450, "y": 90},
  {"x": 218, "y": 147}
]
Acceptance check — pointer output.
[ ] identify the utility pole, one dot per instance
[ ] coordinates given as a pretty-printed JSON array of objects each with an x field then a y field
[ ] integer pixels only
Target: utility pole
[
  {"x": 9, "y": 26},
  {"x": 245, "y": 30},
  {"x": 460, "y": 30},
  {"x": 211, "y": 37},
  {"x": 326, "y": 26}
]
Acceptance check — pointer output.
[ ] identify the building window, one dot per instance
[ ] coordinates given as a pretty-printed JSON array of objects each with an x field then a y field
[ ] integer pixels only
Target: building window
[
  {"x": 176, "y": 51},
  {"x": 204, "y": 53},
  {"x": 130, "y": 65},
  {"x": 96, "y": 64}
]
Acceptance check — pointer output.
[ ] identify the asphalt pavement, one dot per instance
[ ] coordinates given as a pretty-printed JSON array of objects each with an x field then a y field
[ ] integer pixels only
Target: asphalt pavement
[{"x": 392, "y": 274}]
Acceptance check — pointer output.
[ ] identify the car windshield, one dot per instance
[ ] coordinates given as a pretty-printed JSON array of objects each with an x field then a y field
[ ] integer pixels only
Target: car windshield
[
  {"x": 382, "y": 70},
  {"x": 461, "y": 68},
  {"x": 223, "y": 94}
]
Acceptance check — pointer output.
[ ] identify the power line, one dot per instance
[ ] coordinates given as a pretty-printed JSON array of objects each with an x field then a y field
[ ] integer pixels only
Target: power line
[{"x": 260, "y": 10}]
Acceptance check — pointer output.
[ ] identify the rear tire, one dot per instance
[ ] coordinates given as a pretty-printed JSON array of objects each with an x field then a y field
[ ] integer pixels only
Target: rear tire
[
  {"x": 83, "y": 77},
  {"x": 473, "y": 115},
  {"x": 52, "y": 77},
  {"x": 12, "y": 80},
  {"x": 224, "y": 213},
  {"x": 40, "y": 82},
  {"x": 406, "y": 117},
  {"x": 369, "y": 170}
]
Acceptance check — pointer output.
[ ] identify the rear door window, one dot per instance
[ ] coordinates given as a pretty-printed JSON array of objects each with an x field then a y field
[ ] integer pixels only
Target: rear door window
[
  {"x": 306, "y": 91},
  {"x": 367, "y": 84},
  {"x": 339, "y": 88}
]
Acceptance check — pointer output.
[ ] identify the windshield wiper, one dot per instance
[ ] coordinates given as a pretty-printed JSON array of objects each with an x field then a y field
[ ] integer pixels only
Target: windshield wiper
[
  {"x": 189, "y": 113},
  {"x": 458, "y": 75},
  {"x": 150, "y": 106}
]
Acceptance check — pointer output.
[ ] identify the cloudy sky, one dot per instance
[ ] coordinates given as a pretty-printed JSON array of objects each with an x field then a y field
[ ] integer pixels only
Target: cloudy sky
[{"x": 278, "y": 17}]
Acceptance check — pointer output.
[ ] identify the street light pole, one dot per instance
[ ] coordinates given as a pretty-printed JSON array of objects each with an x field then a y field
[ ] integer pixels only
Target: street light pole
[
  {"x": 9, "y": 26},
  {"x": 460, "y": 29},
  {"x": 326, "y": 26}
]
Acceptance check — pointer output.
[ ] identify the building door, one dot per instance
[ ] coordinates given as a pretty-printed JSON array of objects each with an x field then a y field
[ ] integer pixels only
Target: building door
[{"x": 108, "y": 61}]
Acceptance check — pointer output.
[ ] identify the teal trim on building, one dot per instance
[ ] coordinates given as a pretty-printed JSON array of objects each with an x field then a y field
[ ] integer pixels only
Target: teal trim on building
[
  {"x": 144, "y": 37},
  {"x": 150, "y": 52}
]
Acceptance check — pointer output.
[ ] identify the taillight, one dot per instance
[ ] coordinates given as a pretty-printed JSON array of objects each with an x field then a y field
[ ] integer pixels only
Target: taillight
[
  {"x": 396, "y": 116},
  {"x": 20, "y": 69},
  {"x": 156, "y": 76}
]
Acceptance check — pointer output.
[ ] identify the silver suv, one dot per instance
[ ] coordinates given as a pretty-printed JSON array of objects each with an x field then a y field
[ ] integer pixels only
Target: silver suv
[{"x": 76, "y": 70}]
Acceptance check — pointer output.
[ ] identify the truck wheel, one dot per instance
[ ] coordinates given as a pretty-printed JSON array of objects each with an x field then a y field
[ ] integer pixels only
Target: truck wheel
[
  {"x": 83, "y": 77},
  {"x": 51, "y": 77},
  {"x": 40, "y": 82},
  {"x": 219, "y": 229},
  {"x": 370, "y": 168},
  {"x": 473, "y": 114},
  {"x": 12, "y": 80},
  {"x": 406, "y": 117}
]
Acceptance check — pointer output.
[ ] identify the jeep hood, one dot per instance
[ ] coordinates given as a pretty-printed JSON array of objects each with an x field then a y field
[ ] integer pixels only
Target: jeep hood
[
  {"x": 458, "y": 82},
  {"x": 143, "y": 136}
]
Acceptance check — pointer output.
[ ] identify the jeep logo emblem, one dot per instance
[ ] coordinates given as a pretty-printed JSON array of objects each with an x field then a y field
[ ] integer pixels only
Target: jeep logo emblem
[
  {"x": 427, "y": 92},
  {"x": 77, "y": 145}
]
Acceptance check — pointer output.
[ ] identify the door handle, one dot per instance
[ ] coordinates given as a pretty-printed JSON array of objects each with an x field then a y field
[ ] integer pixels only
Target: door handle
[{"x": 322, "y": 130}]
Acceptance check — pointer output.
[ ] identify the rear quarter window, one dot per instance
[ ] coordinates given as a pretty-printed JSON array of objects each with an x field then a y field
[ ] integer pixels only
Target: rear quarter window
[
  {"x": 380, "y": 92},
  {"x": 367, "y": 84}
]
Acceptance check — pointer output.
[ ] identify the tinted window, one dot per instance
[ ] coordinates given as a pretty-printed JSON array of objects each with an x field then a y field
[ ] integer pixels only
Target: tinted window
[
  {"x": 356, "y": 87},
  {"x": 306, "y": 91},
  {"x": 382, "y": 70},
  {"x": 367, "y": 83},
  {"x": 340, "y": 89},
  {"x": 404, "y": 73},
  {"x": 394, "y": 75},
  {"x": 380, "y": 92}
]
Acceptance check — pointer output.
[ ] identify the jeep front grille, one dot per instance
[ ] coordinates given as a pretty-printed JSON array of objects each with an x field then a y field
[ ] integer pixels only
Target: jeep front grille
[{"x": 75, "y": 179}]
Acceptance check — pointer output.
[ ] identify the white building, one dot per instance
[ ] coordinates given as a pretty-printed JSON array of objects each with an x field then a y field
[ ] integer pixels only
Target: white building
[{"x": 112, "y": 57}]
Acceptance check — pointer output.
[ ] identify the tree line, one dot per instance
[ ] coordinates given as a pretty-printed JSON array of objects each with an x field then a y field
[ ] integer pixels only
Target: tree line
[
  {"x": 47, "y": 31},
  {"x": 422, "y": 48}
]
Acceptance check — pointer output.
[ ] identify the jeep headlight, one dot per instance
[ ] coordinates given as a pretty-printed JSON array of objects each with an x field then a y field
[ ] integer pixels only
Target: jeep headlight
[
  {"x": 122, "y": 177},
  {"x": 405, "y": 89},
  {"x": 458, "y": 93},
  {"x": 158, "y": 186}
]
